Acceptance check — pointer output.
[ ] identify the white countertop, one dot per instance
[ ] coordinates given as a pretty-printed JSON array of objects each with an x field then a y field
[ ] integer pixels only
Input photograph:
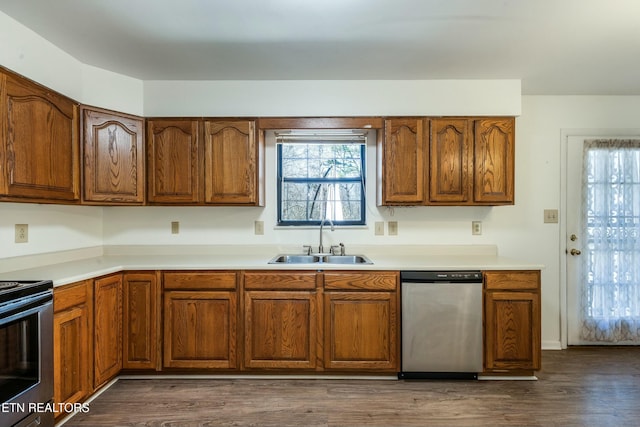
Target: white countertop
[{"x": 114, "y": 259}]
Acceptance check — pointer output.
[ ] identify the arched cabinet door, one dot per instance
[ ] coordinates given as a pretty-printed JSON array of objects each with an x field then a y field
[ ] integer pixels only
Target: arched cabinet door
[
  {"x": 231, "y": 169},
  {"x": 113, "y": 158},
  {"x": 404, "y": 161},
  {"x": 39, "y": 144},
  {"x": 494, "y": 161},
  {"x": 173, "y": 166}
]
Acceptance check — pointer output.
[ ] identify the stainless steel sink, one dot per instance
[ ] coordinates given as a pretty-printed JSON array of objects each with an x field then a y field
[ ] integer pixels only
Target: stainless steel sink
[
  {"x": 346, "y": 259},
  {"x": 320, "y": 259},
  {"x": 295, "y": 259}
]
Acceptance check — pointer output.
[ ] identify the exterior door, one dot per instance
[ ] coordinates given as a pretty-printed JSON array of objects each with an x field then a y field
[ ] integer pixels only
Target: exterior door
[{"x": 583, "y": 256}]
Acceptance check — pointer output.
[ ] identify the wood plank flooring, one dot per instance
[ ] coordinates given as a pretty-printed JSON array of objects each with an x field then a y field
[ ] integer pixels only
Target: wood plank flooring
[{"x": 583, "y": 386}]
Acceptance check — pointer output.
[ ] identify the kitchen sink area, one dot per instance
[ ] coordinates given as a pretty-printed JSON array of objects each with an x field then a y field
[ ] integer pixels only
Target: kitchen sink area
[{"x": 320, "y": 259}]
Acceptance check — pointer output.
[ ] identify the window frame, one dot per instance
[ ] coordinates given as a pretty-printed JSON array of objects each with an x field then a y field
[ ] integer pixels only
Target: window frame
[{"x": 281, "y": 180}]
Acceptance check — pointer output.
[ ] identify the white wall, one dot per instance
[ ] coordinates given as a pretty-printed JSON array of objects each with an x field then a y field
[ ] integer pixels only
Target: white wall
[{"x": 332, "y": 98}]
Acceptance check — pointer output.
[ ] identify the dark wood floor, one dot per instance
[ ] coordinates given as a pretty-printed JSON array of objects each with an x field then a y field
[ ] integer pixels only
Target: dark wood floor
[{"x": 576, "y": 387}]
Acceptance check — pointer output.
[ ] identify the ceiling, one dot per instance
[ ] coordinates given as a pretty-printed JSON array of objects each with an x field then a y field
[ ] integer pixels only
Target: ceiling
[{"x": 558, "y": 47}]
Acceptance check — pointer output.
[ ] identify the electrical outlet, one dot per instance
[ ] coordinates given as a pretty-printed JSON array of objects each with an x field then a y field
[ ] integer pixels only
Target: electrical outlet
[
  {"x": 175, "y": 227},
  {"x": 22, "y": 233},
  {"x": 476, "y": 228},
  {"x": 551, "y": 216},
  {"x": 258, "y": 227},
  {"x": 393, "y": 228},
  {"x": 379, "y": 231}
]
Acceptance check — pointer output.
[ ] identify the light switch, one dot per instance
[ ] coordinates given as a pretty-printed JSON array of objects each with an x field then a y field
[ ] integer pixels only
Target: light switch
[{"x": 551, "y": 216}]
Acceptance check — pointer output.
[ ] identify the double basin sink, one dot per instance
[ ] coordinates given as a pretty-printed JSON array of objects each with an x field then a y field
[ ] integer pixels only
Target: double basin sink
[{"x": 320, "y": 259}]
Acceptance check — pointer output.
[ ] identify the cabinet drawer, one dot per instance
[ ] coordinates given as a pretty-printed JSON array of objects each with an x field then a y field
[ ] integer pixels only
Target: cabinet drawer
[
  {"x": 512, "y": 280},
  {"x": 379, "y": 280},
  {"x": 204, "y": 280},
  {"x": 71, "y": 295},
  {"x": 278, "y": 280}
]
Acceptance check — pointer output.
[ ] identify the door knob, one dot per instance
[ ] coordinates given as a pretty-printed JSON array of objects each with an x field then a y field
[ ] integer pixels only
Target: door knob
[{"x": 575, "y": 252}]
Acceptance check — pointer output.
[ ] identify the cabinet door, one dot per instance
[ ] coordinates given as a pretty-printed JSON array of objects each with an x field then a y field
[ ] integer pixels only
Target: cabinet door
[
  {"x": 231, "y": 156},
  {"x": 494, "y": 161},
  {"x": 72, "y": 354},
  {"x": 39, "y": 144},
  {"x": 450, "y": 161},
  {"x": 280, "y": 329},
  {"x": 140, "y": 334},
  {"x": 200, "y": 329},
  {"x": 361, "y": 331},
  {"x": 404, "y": 161},
  {"x": 173, "y": 165},
  {"x": 107, "y": 344},
  {"x": 113, "y": 165},
  {"x": 512, "y": 330}
]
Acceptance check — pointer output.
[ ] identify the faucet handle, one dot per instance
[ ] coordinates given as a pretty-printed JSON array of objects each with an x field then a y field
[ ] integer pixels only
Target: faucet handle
[
  {"x": 334, "y": 250},
  {"x": 306, "y": 249}
]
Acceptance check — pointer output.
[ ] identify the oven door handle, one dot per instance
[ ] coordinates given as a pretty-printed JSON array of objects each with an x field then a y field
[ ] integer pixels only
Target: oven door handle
[{"x": 24, "y": 307}]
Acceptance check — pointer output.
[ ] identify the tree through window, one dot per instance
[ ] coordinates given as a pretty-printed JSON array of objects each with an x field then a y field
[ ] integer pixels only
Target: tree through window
[{"x": 321, "y": 176}]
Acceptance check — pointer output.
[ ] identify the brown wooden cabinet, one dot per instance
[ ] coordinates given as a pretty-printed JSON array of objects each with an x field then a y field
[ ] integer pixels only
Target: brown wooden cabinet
[
  {"x": 231, "y": 162},
  {"x": 141, "y": 326},
  {"x": 463, "y": 161},
  {"x": 113, "y": 154},
  {"x": 494, "y": 161},
  {"x": 173, "y": 161},
  {"x": 213, "y": 162},
  {"x": 200, "y": 320},
  {"x": 107, "y": 339},
  {"x": 404, "y": 161},
  {"x": 361, "y": 321},
  {"x": 512, "y": 339},
  {"x": 72, "y": 342},
  {"x": 281, "y": 320},
  {"x": 39, "y": 144},
  {"x": 450, "y": 161}
]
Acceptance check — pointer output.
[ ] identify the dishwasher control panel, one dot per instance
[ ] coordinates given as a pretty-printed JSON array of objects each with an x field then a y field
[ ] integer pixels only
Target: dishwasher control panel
[{"x": 441, "y": 276}]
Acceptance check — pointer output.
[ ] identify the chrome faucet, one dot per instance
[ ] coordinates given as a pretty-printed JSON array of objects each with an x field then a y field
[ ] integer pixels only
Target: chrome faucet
[{"x": 321, "y": 247}]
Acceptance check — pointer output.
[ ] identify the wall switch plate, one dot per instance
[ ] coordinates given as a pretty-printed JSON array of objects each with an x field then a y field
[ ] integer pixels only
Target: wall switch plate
[
  {"x": 551, "y": 216},
  {"x": 22, "y": 233},
  {"x": 476, "y": 228},
  {"x": 258, "y": 227},
  {"x": 175, "y": 227},
  {"x": 393, "y": 228},
  {"x": 379, "y": 231}
]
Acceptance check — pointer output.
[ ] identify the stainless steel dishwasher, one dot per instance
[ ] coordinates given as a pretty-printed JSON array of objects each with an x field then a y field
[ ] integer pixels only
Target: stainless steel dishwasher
[{"x": 441, "y": 324}]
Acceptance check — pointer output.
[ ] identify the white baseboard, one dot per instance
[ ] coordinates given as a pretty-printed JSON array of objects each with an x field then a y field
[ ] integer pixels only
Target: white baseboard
[{"x": 551, "y": 345}]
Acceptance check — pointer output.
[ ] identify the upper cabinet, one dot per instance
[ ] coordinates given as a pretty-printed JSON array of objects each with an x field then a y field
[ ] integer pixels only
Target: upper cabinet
[
  {"x": 195, "y": 162},
  {"x": 404, "y": 162},
  {"x": 173, "y": 165},
  {"x": 494, "y": 161},
  {"x": 450, "y": 161},
  {"x": 113, "y": 153},
  {"x": 39, "y": 144},
  {"x": 231, "y": 157},
  {"x": 461, "y": 161}
]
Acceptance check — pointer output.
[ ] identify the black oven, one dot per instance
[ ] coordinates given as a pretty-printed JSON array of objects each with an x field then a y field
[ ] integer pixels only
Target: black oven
[{"x": 26, "y": 353}]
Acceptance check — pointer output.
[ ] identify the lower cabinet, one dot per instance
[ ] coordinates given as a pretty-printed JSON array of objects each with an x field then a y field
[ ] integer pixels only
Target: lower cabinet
[
  {"x": 361, "y": 325},
  {"x": 107, "y": 338},
  {"x": 72, "y": 342},
  {"x": 512, "y": 339},
  {"x": 141, "y": 321},
  {"x": 281, "y": 321},
  {"x": 200, "y": 320}
]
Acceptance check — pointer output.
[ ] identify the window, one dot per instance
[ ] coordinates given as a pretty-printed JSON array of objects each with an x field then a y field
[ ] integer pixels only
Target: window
[
  {"x": 611, "y": 209},
  {"x": 321, "y": 176}
]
